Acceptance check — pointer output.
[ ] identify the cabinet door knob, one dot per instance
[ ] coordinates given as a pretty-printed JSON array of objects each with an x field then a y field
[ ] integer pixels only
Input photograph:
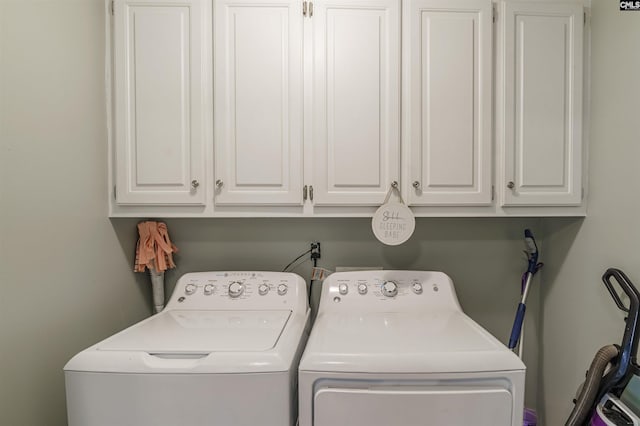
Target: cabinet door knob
[
  {"x": 394, "y": 184},
  {"x": 195, "y": 184},
  {"x": 416, "y": 184},
  {"x": 511, "y": 185},
  {"x": 219, "y": 184}
]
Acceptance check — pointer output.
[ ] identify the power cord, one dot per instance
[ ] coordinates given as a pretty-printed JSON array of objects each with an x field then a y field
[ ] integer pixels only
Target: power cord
[
  {"x": 315, "y": 255},
  {"x": 311, "y": 281},
  {"x": 286, "y": 268}
]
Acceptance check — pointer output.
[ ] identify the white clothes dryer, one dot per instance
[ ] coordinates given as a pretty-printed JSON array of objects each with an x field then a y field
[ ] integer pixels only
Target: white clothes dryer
[
  {"x": 224, "y": 352},
  {"x": 395, "y": 348}
]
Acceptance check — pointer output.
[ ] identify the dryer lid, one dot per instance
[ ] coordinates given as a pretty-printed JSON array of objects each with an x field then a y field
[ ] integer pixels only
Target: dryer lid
[
  {"x": 184, "y": 332},
  {"x": 439, "y": 341}
]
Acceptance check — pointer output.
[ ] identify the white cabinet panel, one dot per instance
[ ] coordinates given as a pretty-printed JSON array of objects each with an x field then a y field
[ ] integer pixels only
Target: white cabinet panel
[
  {"x": 543, "y": 104},
  {"x": 448, "y": 90},
  {"x": 158, "y": 93},
  {"x": 356, "y": 108},
  {"x": 258, "y": 102}
]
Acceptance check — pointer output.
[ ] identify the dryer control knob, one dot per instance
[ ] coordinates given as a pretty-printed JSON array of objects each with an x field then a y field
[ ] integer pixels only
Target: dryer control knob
[
  {"x": 235, "y": 289},
  {"x": 263, "y": 289},
  {"x": 343, "y": 289},
  {"x": 389, "y": 288},
  {"x": 282, "y": 289},
  {"x": 190, "y": 288},
  {"x": 362, "y": 288},
  {"x": 208, "y": 289}
]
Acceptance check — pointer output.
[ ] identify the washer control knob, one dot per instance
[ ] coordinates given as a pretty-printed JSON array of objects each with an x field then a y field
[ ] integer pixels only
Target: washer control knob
[
  {"x": 282, "y": 289},
  {"x": 208, "y": 289},
  {"x": 343, "y": 289},
  {"x": 263, "y": 289},
  {"x": 190, "y": 289},
  {"x": 389, "y": 288},
  {"x": 235, "y": 289},
  {"x": 417, "y": 288},
  {"x": 362, "y": 288}
]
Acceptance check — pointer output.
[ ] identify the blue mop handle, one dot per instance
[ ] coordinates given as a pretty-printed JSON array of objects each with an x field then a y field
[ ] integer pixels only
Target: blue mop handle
[
  {"x": 532, "y": 267},
  {"x": 517, "y": 326}
]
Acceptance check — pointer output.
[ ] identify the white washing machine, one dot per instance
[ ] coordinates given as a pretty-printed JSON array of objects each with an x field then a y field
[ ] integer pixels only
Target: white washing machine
[
  {"x": 224, "y": 352},
  {"x": 395, "y": 348}
]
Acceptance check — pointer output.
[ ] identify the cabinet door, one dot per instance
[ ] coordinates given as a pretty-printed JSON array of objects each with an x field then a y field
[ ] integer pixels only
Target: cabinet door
[
  {"x": 258, "y": 102},
  {"x": 356, "y": 100},
  {"x": 542, "y": 121},
  {"x": 447, "y": 89},
  {"x": 159, "y": 48}
]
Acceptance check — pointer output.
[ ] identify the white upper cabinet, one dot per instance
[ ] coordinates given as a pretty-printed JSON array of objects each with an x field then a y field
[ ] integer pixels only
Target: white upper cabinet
[
  {"x": 297, "y": 108},
  {"x": 258, "y": 103},
  {"x": 356, "y": 100},
  {"x": 159, "y": 85},
  {"x": 541, "y": 122},
  {"x": 447, "y": 105}
]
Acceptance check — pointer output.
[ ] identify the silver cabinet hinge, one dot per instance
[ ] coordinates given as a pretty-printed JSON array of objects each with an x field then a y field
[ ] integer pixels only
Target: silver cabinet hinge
[
  {"x": 494, "y": 12},
  {"x": 493, "y": 192},
  {"x": 115, "y": 194}
]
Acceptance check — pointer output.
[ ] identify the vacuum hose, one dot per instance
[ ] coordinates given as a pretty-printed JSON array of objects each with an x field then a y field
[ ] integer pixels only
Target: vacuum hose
[{"x": 585, "y": 400}]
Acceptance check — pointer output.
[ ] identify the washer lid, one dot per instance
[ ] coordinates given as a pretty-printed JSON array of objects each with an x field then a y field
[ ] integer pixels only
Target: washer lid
[
  {"x": 200, "y": 332},
  {"x": 441, "y": 341}
]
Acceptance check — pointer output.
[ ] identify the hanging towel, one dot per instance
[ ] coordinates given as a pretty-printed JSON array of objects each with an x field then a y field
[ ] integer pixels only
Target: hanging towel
[{"x": 154, "y": 249}]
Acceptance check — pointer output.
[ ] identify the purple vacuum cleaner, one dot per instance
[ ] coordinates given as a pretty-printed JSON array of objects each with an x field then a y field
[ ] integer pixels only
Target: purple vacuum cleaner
[{"x": 610, "y": 395}]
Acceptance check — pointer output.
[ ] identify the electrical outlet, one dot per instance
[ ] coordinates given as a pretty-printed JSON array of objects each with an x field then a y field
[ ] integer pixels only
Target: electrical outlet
[{"x": 315, "y": 250}]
